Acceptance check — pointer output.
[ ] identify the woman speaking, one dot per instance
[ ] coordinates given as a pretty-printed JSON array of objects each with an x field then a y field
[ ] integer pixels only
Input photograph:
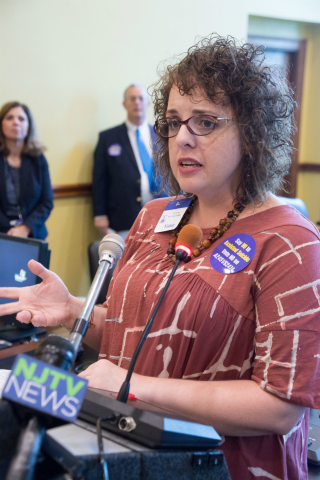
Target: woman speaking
[
  {"x": 26, "y": 198},
  {"x": 236, "y": 341}
]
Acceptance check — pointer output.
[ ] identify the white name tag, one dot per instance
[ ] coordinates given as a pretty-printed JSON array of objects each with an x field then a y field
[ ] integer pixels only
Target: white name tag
[{"x": 172, "y": 215}]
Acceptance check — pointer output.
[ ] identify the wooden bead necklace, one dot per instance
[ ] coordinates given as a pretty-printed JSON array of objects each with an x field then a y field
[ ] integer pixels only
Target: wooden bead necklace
[{"x": 215, "y": 233}]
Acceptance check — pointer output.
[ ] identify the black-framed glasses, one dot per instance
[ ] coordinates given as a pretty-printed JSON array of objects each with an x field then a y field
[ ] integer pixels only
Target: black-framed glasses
[{"x": 200, "y": 125}]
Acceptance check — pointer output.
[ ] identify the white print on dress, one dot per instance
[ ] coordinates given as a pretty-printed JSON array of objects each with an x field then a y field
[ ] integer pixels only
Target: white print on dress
[
  {"x": 292, "y": 249},
  {"x": 224, "y": 279},
  {"x": 143, "y": 211},
  {"x": 121, "y": 357},
  {"x": 180, "y": 271},
  {"x": 218, "y": 366},
  {"x": 247, "y": 365},
  {"x": 173, "y": 328},
  {"x": 303, "y": 245},
  {"x": 294, "y": 429},
  {"x": 167, "y": 355},
  {"x": 214, "y": 306},
  {"x": 258, "y": 472},
  {"x": 312, "y": 285},
  {"x": 132, "y": 261},
  {"x": 266, "y": 358}
]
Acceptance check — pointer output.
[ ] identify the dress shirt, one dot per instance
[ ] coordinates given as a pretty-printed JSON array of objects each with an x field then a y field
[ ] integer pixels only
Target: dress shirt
[{"x": 145, "y": 136}]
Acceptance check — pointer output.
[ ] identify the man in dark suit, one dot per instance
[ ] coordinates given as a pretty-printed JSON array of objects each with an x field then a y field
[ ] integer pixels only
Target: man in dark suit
[{"x": 122, "y": 173}]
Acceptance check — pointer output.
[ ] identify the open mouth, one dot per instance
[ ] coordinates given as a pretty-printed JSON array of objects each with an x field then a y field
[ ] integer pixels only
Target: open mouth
[{"x": 189, "y": 163}]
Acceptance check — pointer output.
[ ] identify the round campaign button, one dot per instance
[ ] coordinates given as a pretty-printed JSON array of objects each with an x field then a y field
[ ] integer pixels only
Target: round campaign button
[
  {"x": 233, "y": 254},
  {"x": 115, "y": 150}
]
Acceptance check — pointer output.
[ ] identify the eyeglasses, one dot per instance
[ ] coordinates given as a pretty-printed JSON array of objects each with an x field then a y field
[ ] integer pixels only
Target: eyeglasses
[{"x": 200, "y": 125}]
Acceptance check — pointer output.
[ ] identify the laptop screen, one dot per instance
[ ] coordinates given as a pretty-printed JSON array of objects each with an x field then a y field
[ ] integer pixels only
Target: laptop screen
[{"x": 15, "y": 254}]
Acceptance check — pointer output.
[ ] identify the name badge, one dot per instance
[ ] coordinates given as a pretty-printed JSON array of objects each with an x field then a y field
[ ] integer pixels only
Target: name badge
[
  {"x": 16, "y": 223},
  {"x": 115, "y": 150},
  {"x": 45, "y": 388},
  {"x": 172, "y": 215},
  {"x": 234, "y": 254}
]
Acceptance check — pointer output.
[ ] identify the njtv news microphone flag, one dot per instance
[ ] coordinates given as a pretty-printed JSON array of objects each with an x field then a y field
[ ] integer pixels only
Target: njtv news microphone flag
[{"x": 45, "y": 388}]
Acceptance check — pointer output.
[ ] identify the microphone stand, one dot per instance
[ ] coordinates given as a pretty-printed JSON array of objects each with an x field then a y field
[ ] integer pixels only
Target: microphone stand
[
  {"x": 60, "y": 352},
  {"x": 124, "y": 390}
]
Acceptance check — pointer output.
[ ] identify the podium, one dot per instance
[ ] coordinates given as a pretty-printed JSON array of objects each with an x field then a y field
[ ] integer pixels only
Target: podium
[
  {"x": 176, "y": 456},
  {"x": 75, "y": 446}
]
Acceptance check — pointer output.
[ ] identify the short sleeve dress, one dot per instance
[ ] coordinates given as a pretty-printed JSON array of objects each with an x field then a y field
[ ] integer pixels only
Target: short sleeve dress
[{"x": 261, "y": 323}]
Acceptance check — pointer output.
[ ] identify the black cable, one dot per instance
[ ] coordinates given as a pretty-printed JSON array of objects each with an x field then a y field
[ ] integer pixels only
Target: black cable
[
  {"x": 103, "y": 462},
  {"x": 124, "y": 390}
]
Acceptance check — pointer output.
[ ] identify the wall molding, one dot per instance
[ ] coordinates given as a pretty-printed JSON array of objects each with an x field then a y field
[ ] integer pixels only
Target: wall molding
[
  {"x": 309, "y": 167},
  {"x": 72, "y": 190},
  {"x": 84, "y": 189}
]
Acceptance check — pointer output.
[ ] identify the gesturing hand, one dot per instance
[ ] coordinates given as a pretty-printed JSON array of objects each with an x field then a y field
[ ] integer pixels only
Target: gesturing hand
[{"x": 48, "y": 303}]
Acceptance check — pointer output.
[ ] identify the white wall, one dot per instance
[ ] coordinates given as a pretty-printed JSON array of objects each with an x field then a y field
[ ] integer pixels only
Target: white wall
[{"x": 301, "y": 11}]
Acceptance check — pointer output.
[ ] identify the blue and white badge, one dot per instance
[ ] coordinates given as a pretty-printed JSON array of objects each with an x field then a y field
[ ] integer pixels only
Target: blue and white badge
[
  {"x": 45, "y": 388},
  {"x": 16, "y": 223},
  {"x": 115, "y": 150},
  {"x": 172, "y": 215},
  {"x": 234, "y": 254}
]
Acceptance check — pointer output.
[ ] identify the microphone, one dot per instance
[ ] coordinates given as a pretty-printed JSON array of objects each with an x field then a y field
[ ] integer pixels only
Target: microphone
[
  {"x": 189, "y": 237},
  {"x": 110, "y": 251},
  {"x": 60, "y": 352}
]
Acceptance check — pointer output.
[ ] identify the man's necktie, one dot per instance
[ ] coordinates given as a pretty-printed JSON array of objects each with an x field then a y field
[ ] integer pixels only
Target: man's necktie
[{"x": 145, "y": 159}]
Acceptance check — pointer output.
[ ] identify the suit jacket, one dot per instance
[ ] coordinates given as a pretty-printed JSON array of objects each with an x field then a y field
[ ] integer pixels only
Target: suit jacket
[
  {"x": 36, "y": 197},
  {"x": 116, "y": 178}
]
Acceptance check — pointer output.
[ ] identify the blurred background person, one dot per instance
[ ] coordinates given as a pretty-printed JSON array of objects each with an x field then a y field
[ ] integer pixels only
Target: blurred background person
[
  {"x": 26, "y": 197},
  {"x": 123, "y": 179}
]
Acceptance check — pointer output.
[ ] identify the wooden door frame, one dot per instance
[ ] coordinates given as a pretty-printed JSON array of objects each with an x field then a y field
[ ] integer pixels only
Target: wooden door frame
[{"x": 297, "y": 51}]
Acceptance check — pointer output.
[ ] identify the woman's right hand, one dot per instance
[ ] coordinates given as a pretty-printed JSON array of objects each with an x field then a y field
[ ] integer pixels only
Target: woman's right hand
[{"x": 48, "y": 303}]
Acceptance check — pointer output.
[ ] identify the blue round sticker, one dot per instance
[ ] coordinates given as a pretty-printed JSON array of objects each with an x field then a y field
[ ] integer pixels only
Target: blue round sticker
[{"x": 233, "y": 254}]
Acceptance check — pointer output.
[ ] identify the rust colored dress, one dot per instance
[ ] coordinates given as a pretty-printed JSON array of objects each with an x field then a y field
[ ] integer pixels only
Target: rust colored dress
[{"x": 261, "y": 323}]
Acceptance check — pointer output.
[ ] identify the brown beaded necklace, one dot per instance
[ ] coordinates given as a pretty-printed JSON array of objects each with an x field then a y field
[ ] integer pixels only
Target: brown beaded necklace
[{"x": 215, "y": 233}]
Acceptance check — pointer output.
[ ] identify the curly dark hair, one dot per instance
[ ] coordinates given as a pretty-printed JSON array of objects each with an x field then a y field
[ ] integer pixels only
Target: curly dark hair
[
  {"x": 233, "y": 74},
  {"x": 32, "y": 146}
]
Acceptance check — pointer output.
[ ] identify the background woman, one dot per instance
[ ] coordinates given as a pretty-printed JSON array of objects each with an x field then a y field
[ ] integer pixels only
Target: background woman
[
  {"x": 239, "y": 351},
  {"x": 26, "y": 198}
]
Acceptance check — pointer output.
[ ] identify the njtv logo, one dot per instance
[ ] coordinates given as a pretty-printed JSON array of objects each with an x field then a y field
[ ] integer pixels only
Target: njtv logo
[{"x": 45, "y": 388}]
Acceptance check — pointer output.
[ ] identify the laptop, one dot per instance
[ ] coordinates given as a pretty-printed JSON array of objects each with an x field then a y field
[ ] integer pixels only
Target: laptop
[{"x": 15, "y": 253}]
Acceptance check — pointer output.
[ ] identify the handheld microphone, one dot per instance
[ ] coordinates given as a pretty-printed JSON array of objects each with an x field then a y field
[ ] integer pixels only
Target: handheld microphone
[
  {"x": 60, "y": 352},
  {"x": 189, "y": 237}
]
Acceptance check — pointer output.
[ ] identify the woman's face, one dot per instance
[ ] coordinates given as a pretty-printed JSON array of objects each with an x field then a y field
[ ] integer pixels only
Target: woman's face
[
  {"x": 207, "y": 166},
  {"x": 15, "y": 124}
]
